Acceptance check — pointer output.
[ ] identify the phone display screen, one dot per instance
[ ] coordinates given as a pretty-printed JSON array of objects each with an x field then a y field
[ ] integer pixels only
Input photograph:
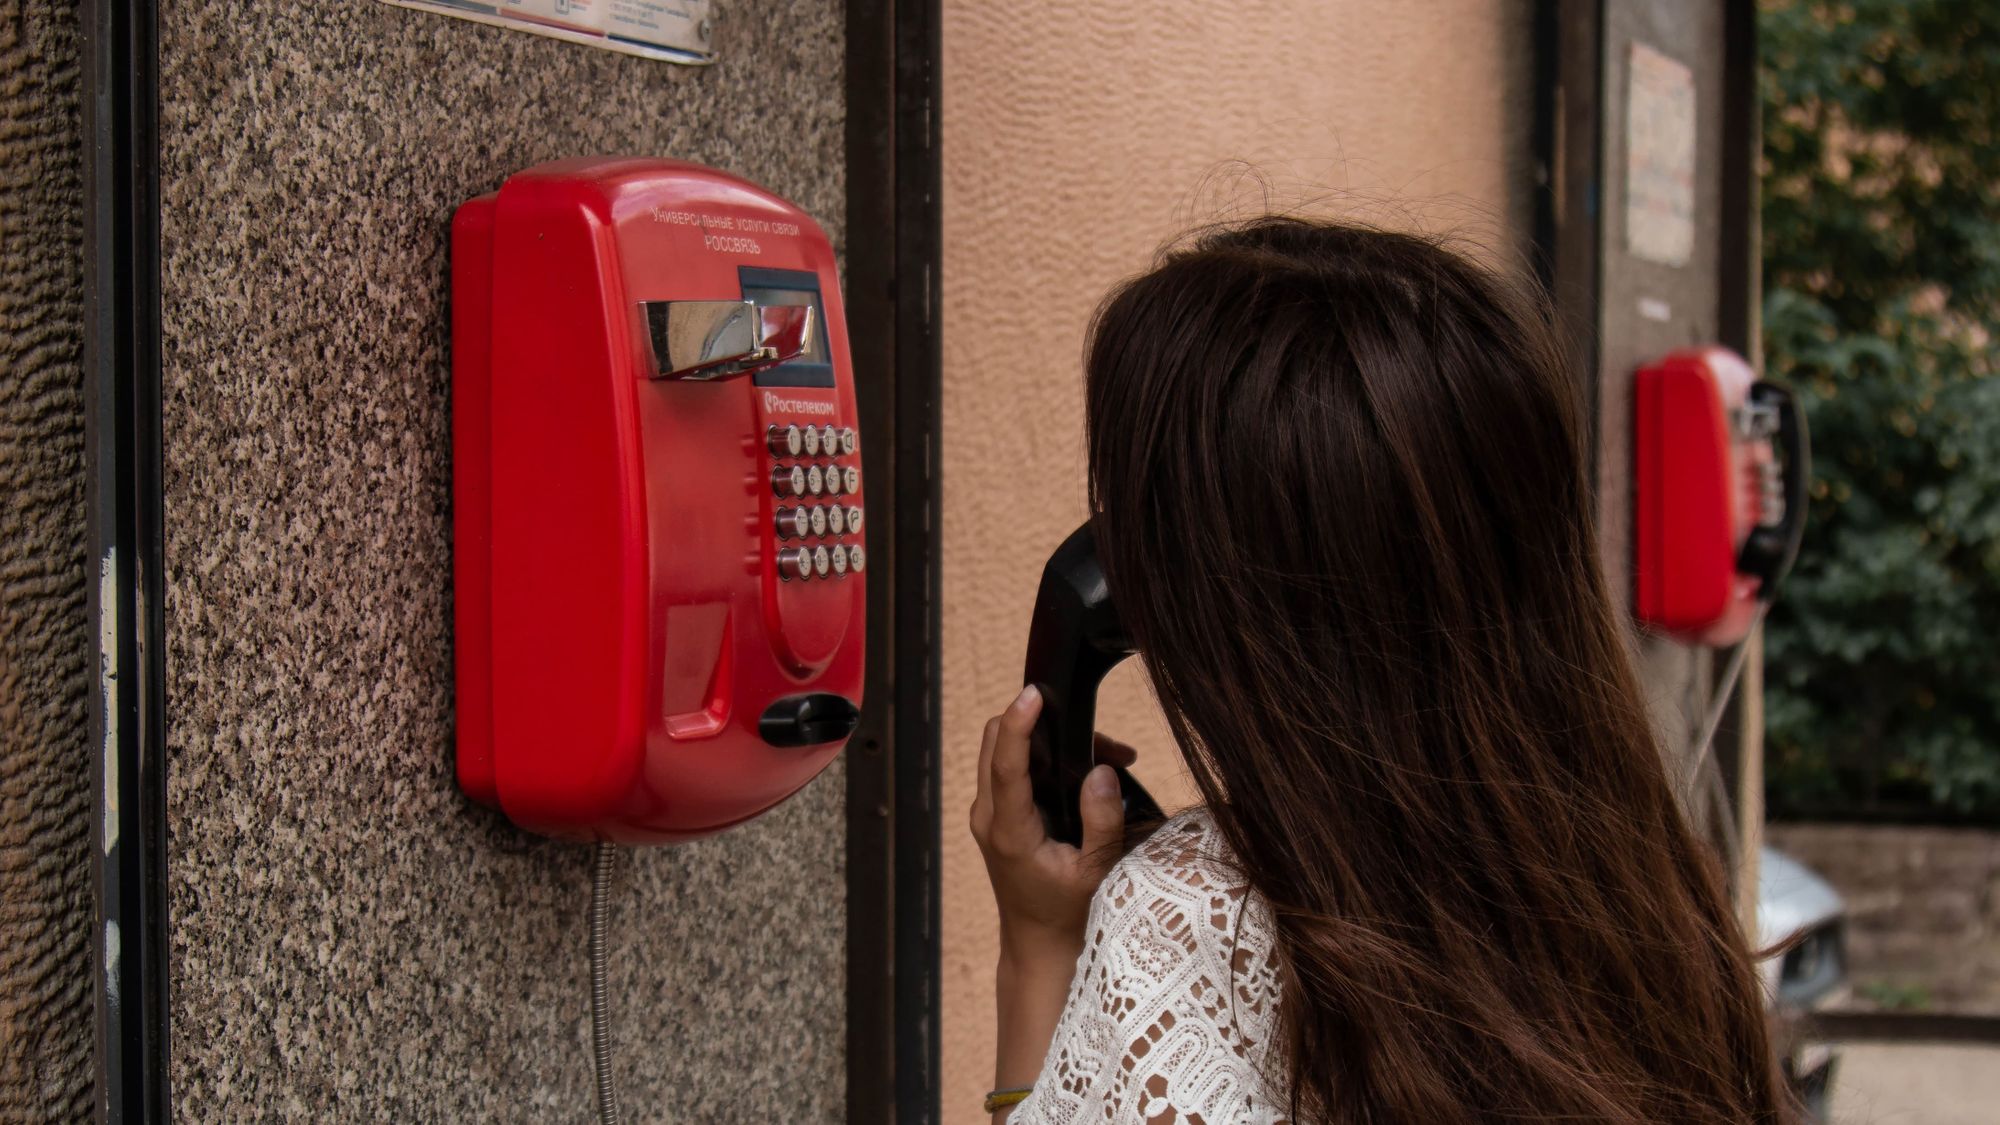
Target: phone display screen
[{"x": 814, "y": 366}]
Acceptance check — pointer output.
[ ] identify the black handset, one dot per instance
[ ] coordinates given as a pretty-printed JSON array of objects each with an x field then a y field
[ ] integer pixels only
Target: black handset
[
  {"x": 1074, "y": 639},
  {"x": 1769, "y": 551}
]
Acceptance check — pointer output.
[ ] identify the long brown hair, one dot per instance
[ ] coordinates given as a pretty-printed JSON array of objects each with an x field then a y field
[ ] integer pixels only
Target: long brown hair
[{"x": 1342, "y": 499}]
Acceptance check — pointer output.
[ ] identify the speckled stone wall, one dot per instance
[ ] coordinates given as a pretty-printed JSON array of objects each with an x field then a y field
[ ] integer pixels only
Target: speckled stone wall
[
  {"x": 353, "y": 941},
  {"x": 1077, "y": 137},
  {"x": 45, "y": 647}
]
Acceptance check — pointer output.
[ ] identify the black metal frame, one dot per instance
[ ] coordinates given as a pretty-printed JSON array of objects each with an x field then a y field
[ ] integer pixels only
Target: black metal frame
[
  {"x": 1569, "y": 153},
  {"x": 121, "y": 358},
  {"x": 894, "y": 185},
  {"x": 1742, "y": 258}
]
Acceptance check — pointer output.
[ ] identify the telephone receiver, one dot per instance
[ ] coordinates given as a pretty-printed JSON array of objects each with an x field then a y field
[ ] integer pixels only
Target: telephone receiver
[
  {"x": 1771, "y": 548},
  {"x": 1074, "y": 638}
]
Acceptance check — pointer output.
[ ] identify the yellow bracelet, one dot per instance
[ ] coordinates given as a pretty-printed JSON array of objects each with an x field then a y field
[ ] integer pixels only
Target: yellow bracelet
[{"x": 1001, "y": 1099}]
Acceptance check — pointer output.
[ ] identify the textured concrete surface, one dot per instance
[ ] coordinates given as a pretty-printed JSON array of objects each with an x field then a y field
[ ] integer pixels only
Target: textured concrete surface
[
  {"x": 1916, "y": 1084},
  {"x": 1077, "y": 138},
  {"x": 353, "y": 941},
  {"x": 45, "y": 647}
]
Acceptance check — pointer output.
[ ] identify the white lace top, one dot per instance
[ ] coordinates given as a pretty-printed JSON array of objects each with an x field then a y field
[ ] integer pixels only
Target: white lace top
[{"x": 1173, "y": 1007}]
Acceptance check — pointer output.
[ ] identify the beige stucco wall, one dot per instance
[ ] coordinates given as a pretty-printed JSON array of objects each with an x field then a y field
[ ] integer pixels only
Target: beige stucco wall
[{"x": 1076, "y": 139}]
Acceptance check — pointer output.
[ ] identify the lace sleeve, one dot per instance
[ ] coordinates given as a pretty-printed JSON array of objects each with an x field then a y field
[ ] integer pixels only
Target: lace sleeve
[{"x": 1174, "y": 999}]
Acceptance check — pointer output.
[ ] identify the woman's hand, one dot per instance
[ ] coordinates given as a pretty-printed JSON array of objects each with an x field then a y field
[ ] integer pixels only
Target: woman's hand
[{"x": 1043, "y": 887}]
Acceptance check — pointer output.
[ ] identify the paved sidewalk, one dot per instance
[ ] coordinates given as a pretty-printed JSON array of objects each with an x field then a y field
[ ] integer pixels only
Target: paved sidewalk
[{"x": 1917, "y": 1084}]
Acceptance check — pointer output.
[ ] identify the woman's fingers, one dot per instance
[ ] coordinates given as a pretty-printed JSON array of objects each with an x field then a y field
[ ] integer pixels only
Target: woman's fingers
[
  {"x": 1016, "y": 824},
  {"x": 984, "y": 793},
  {"x": 982, "y": 800},
  {"x": 1113, "y": 751},
  {"x": 1103, "y": 820}
]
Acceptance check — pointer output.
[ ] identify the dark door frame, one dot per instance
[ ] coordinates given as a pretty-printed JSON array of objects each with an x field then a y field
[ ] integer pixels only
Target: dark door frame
[
  {"x": 894, "y": 215},
  {"x": 1569, "y": 173},
  {"x": 121, "y": 362}
]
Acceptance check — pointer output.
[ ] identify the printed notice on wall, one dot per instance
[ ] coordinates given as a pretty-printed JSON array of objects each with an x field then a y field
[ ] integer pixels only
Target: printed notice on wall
[
  {"x": 1659, "y": 158},
  {"x": 674, "y": 30}
]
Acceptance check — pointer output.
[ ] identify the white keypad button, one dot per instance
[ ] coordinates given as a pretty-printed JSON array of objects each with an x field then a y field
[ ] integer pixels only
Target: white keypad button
[
  {"x": 795, "y": 563},
  {"x": 839, "y": 560},
  {"x": 818, "y": 520},
  {"x": 812, "y": 441},
  {"x": 849, "y": 442},
  {"x": 836, "y": 520},
  {"x": 784, "y": 441},
  {"x": 856, "y": 558},
  {"x": 815, "y": 480},
  {"x": 829, "y": 440},
  {"x": 793, "y": 523},
  {"x": 822, "y": 561},
  {"x": 833, "y": 481},
  {"x": 788, "y": 481},
  {"x": 854, "y": 520},
  {"x": 851, "y": 477}
]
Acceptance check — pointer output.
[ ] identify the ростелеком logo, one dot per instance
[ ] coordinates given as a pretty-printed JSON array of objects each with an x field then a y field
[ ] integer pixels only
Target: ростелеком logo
[{"x": 775, "y": 405}]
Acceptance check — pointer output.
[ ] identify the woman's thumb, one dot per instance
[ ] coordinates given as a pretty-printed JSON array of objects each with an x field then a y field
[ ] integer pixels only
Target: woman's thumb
[{"x": 1103, "y": 809}]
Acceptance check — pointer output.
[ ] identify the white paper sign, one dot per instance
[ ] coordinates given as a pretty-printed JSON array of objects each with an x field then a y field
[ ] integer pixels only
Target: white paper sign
[
  {"x": 674, "y": 30},
  {"x": 1659, "y": 158}
]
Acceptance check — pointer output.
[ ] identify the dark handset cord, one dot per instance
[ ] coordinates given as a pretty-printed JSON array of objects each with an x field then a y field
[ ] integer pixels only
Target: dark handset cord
[{"x": 604, "y": 864}]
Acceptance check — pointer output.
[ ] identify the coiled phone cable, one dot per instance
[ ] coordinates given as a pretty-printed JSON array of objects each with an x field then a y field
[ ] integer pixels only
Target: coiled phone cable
[{"x": 604, "y": 864}]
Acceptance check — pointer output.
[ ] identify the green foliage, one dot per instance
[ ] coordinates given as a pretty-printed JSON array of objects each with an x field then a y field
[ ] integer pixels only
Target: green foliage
[
  {"x": 1895, "y": 996},
  {"x": 1882, "y": 307}
]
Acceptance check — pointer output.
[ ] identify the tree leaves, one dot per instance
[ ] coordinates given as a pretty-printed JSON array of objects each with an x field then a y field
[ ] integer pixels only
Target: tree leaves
[{"x": 1882, "y": 307}]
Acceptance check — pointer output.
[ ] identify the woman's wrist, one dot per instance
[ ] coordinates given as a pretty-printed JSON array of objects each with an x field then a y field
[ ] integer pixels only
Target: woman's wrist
[
  {"x": 1031, "y": 985},
  {"x": 1039, "y": 969},
  {"x": 1032, "y": 948}
]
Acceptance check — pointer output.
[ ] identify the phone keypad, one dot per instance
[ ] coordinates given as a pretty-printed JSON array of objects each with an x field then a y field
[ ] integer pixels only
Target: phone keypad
[{"x": 816, "y": 515}]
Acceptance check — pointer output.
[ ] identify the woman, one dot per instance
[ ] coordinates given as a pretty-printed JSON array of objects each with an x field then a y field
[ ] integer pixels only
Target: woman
[{"x": 1438, "y": 873}]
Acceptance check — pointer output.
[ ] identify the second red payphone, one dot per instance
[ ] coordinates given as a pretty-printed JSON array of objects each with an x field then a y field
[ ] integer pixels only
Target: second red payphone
[{"x": 1720, "y": 467}]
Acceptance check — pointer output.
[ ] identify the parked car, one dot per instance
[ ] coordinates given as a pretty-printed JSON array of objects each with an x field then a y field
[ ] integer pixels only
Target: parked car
[{"x": 1800, "y": 913}]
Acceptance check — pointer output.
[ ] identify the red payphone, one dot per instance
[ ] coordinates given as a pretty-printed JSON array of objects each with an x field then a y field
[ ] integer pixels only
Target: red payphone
[
  {"x": 1718, "y": 513},
  {"x": 658, "y": 500}
]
